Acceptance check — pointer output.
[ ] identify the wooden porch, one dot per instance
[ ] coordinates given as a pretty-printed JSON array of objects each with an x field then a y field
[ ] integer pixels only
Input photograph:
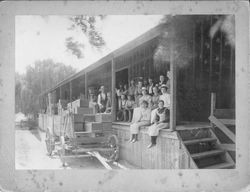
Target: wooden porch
[{"x": 193, "y": 145}]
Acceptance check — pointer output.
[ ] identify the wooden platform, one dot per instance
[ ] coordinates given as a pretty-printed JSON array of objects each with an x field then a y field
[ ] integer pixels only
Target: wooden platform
[
  {"x": 167, "y": 154},
  {"x": 182, "y": 126}
]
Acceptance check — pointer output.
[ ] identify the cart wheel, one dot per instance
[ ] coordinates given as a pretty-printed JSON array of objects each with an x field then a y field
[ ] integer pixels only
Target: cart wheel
[
  {"x": 50, "y": 143},
  {"x": 113, "y": 143}
]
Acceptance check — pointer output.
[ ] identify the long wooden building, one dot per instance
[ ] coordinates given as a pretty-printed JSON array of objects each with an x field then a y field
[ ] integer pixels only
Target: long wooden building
[{"x": 202, "y": 113}]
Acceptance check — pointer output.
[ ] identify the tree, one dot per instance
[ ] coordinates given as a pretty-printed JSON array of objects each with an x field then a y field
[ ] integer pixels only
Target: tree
[
  {"x": 38, "y": 78},
  {"x": 87, "y": 24}
]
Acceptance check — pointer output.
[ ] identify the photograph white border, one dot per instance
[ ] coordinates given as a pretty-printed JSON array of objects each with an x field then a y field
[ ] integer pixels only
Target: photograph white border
[{"x": 120, "y": 180}]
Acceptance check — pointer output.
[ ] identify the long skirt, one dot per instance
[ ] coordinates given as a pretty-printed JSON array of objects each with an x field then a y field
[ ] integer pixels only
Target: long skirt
[
  {"x": 154, "y": 129},
  {"x": 134, "y": 127},
  {"x": 153, "y": 115}
]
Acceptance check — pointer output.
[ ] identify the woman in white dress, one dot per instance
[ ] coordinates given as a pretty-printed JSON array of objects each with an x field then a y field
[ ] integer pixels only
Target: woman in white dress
[
  {"x": 143, "y": 120},
  {"x": 160, "y": 121}
]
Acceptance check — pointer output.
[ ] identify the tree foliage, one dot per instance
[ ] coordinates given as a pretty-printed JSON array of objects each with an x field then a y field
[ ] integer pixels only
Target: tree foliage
[
  {"x": 87, "y": 24},
  {"x": 38, "y": 78}
]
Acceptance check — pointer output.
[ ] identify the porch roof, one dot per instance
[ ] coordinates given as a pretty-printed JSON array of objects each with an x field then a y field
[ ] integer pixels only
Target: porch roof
[{"x": 152, "y": 33}]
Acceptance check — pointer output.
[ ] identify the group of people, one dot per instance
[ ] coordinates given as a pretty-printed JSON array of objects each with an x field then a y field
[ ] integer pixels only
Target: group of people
[
  {"x": 147, "y": 103},
  {"x": 150, "y": 102}
]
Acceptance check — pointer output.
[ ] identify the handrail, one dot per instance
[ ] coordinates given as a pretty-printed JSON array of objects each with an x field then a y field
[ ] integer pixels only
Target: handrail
[
  {"x": 220, "y": 123},
  {"x": 222, "y": 127}
]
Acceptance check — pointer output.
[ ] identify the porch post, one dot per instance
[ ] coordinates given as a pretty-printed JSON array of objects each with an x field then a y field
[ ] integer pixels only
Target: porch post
[
  {"x": 60, "y": 91},
  {"x": 172, "y": 89},
  {"x": 86, "y": 86},
  {"x": 70, "y": 91},
  {"x": 113, "y": 90}
]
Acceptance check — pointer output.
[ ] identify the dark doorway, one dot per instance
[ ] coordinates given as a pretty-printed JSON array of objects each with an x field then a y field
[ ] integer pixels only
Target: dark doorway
[{"x": 121, "y": 77}]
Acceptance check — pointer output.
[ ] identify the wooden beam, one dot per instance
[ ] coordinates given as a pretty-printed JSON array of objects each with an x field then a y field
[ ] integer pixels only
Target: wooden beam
[
  {"x": 222, "y": 127},
  {"x": 172, "y": 89},
  {"x": 228, "y": 121},
  {"x": 70, "y": 91},
  {"x": 101, "y": 159},
  {"x": 86, "y": 85},
  {"x": 227, "y": 147},
  {"x": 113, "y": 90},
  {"x": 60, "y": 90},
  {"x": 213, "y": 102}
]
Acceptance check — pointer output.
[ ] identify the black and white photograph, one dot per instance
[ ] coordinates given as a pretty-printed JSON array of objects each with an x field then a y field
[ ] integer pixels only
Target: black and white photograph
[
  {"x": 125, "y": 92},
  {"x": 124, "y": 96}
]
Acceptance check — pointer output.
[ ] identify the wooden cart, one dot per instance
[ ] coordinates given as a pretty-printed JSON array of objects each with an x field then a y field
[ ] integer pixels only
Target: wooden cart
[{"x": 63, "y": 139}]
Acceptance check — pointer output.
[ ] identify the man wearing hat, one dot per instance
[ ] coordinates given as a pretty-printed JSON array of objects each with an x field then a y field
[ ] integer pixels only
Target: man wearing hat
[
  {"x": 102, "y": 100},
  {"x": 145, "y": 97}
]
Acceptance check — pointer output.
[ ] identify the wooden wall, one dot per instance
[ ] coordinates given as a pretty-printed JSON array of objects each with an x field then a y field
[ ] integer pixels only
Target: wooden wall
[
  {"x": 168, "y": 154},
  {"x": 140, "y": 62},
  {"x": 100, "y": 76},
  {"x": 210, "y": 69}
]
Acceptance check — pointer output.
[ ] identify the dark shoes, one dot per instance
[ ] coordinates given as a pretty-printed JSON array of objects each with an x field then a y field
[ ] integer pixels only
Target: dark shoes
[{"x": 150, "y": 145}]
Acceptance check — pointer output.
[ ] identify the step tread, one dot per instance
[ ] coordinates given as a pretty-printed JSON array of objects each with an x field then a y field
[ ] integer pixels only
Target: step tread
[
  {"x": 82, "y": 132},
  {"x": 220, "y": 166},
  {"x": 228, "y": 121},
  {"x": 207, "y": 153},
  {"x": 193, "y": 141}
]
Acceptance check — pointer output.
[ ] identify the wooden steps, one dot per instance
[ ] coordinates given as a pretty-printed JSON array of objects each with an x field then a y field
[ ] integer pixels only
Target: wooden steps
[
  {"x": 228, "y": 121},
  {"x": 202, "y": 140},
  {"x": 203, "y": 147},
  {"x": 207, "y": 154},
  {"x": 225, "y": 165}
]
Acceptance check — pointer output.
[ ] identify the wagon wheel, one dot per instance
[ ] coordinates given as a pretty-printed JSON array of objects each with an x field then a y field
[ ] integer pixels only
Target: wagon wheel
[
  {"x": 50, "y": 142},
  {"x": 112, "y": 143}
]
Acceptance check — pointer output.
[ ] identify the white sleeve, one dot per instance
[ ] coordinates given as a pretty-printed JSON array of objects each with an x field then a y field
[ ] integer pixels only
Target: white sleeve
[{"x": 99, "y": 100}]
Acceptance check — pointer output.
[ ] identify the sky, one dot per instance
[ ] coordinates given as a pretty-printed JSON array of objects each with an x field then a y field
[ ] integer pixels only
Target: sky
[{"x": 43, "y": 37}]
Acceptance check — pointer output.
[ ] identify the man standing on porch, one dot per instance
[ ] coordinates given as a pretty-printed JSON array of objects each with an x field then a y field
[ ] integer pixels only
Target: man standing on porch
[
  {"x": 162, "y": 80},
  {"x": 102, "y": 100},
  {"x": 131, "y": 89},
  {"x": 150, "y": 86}
]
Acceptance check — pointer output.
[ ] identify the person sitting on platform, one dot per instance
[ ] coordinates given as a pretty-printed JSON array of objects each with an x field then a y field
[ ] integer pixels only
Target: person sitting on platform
[
  {"x": 142, "y": 120},
  {"x": 138, "y": 89},
  {"x": 137, "y": 100},
  {"x": 146, "y": 97},
  {"x": 155, "y": 98},
  {"x": 161, "y": 121},
  {"x": 129, "y": 108},
  {"x": 121, "y": 114},
  {"x": 165, "y": 96},
  {"x": 109, "y": 104},
  {"x": 102, "y": 100}
]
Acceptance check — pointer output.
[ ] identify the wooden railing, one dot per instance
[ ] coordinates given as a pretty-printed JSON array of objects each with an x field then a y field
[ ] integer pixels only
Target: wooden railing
[{"x": 221, "y": 118}]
